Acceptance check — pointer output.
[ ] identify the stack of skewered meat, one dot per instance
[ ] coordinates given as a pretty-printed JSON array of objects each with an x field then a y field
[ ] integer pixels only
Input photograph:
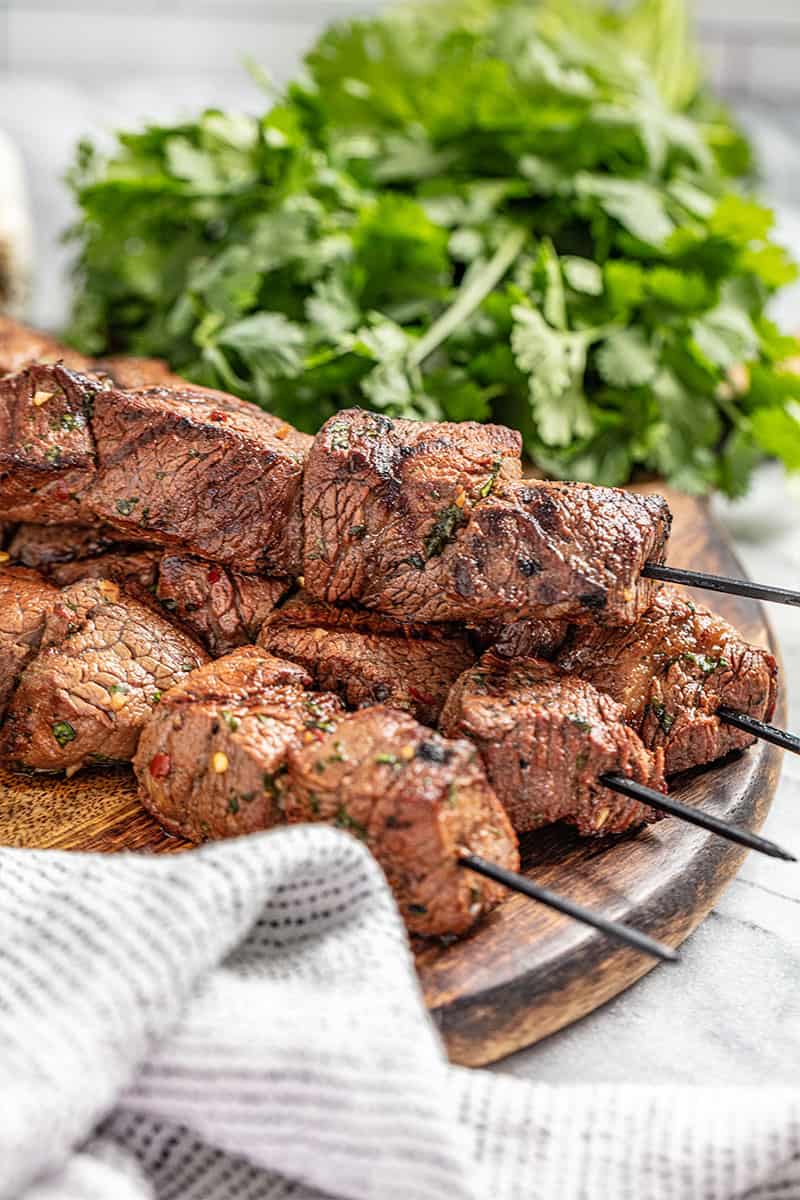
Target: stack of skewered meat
[{"x": 154, "y": 531}]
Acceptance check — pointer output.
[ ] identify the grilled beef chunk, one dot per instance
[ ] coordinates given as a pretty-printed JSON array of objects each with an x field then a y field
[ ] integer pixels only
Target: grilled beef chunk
[
  {"x": 545, "y": 739},
  {"x": 103, "y": 662},
  {"x": 522, "y": 639},
  {"x": 671, "y": 671},
  {"x": 73, "y": 449},
  {"x": 369, "y": 659},
  {"x": 418, "y": 801},
  {"x": 46, "y": 448},
  {"x": 20, "y": 346},
  {"x": 431, "y": 522},
  {"x": 25, "y": 600},
  {"x": 241, "y": 745},
  {"x": 132, "y": 374},
  {"x": 221, "y": 607},
  {"x": 209, "y": 765},
  {"x": 135, "y": 570}
]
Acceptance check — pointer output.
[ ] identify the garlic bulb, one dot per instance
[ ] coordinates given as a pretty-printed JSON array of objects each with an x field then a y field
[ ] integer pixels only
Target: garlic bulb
[{"x": 16, "y": 238}]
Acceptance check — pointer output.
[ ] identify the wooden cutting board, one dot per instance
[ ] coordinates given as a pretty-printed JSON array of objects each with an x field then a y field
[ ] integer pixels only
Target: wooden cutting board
[{"x": 526, "y": 971}]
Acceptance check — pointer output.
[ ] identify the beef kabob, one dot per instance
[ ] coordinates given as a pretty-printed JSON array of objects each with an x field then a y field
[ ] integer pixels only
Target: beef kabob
[
  {"x": 556, "y": 746},
  {"x": 422, "y": 521},
  {"x": 242, "y": 744},
  {"x": 83, "y": 671}
]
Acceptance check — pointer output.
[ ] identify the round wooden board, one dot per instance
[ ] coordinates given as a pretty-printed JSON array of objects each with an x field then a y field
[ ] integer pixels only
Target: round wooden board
[{"x": 526, "y": 971}]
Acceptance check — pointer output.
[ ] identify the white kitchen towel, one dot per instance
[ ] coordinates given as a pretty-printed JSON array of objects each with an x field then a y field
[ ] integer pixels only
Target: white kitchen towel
[{"x": 243, "y": 1021}]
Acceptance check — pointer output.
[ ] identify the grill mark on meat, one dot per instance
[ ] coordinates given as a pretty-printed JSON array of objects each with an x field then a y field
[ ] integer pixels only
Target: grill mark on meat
[
  {"x": 671, "y": 671},
  {"x": 545, "y": 738}
]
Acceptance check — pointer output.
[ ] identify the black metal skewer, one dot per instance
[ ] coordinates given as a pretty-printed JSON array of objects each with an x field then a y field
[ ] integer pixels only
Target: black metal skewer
[
  {"x": 719, "y": 583},
  {"x": 759, "y": 729},
  {"x": 520, "y": 883},
  {"x": 694, "y": 816}
]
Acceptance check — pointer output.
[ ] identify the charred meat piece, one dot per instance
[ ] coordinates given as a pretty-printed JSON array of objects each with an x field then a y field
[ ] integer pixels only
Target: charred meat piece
[
  {"x": 211, "y": 765},
  {"x": 20, "y": 346},
  {"x": 522, "y": 639},
  {"x": 545, "y": 738},
  {"x": 46, "y": 448},
  {"x": 368, "y": 659},
  {"x": 671, "y": 671},
  {"x": 103, "y": 663},
  {"x": 418, "y": 801},
  {"x": 431, "y": 522},
  {"x": 220, "y": 606},
  {"x": 25, "y": 601},
  {"x": 191, "y": 469},
  {"x": 188, "y": 468}
]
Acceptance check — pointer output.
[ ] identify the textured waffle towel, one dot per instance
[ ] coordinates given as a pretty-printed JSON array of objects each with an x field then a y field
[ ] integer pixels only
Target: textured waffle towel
[{"x": 244, "y": 1021}]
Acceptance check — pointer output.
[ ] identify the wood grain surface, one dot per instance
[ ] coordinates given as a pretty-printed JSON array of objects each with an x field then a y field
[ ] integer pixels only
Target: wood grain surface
[{"x": 526, "y": 971}]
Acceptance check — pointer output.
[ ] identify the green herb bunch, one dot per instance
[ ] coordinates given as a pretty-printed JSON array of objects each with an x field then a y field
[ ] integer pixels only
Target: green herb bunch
[{"x": 530, "y": 212}]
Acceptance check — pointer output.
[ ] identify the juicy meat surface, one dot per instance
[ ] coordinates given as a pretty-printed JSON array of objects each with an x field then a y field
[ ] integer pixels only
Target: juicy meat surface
[
  {"x": 103, "y": 663},
  {"x": 187, "y": 468},
  {"x": 368, "y": 659},
  {"x": 671, "y": 671},
  {"x": 25, "y": 600},
  {"x": 241, "y": 744},
  {"x": 211, "y": 766},
  {"x": 46, "y": 449},
  {"x": 545, "y": 738},
  {"x": 220, "y": 606},
  {"x": 134, "y": 570},
  {"x": 431, "y": 522},
  {"x": 418, "y": 801}
]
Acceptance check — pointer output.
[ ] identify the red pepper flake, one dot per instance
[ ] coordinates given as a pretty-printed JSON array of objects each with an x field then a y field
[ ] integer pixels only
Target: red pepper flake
[
  {"x": 216, "y": 415},
  {"x": 160, "y": 766},
  {"x": 214, "y": 575}
]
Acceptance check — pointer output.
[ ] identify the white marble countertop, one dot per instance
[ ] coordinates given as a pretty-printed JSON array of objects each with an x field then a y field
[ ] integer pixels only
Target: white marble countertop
[{"x": 730, "y": 1012}]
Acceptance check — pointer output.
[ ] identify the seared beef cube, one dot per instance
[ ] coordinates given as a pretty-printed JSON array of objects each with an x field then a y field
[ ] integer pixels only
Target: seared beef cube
[
  {"x": 522, "y": 639},
  {"x": 671, "y": 672},
  {"x": 104, "y": 662},
  {"x": 198, "y": 470},
  {"x": 46, "y": 448},
  {"x": 20, "y": 346},
  {"x": 44, "y": 546},
  {"x": 220, "y": 606},
  {"x": 412, "y": 667},
  {"x": 545, "y": 739},
  {"x": 211, "y": 767},
  {"x": 25, "y": 600},
  {"x": 418, "y": 801},
  {"x": 431, "y": 522}
]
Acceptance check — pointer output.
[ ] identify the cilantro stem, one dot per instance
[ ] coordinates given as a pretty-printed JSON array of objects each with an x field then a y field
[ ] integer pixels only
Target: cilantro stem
[{"x": 470, "y": 296}]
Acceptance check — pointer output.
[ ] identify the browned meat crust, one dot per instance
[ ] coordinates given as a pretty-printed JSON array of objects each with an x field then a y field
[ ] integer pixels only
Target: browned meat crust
[
  {"x": 671, "y": 672},
  {"x": 103, "y": 662},
  {"x": 25, "y": 600},
  {"x": 46, "y": 546},
  {"x": 241, "y": 744},
  {"x": 418, "y": 801},
  {"x": 75, "y": 450},
  {"x": 221, "y": 607},
  {"x": 431, "y": 522},
  {"x": 368, "y": 659},
  {"x": 209, "y": 765},
  {"x": 545, "y": 738}
]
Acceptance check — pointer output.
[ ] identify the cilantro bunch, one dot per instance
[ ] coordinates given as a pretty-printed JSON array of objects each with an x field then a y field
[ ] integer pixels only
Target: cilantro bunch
[{"x": 467, "y": 210}]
